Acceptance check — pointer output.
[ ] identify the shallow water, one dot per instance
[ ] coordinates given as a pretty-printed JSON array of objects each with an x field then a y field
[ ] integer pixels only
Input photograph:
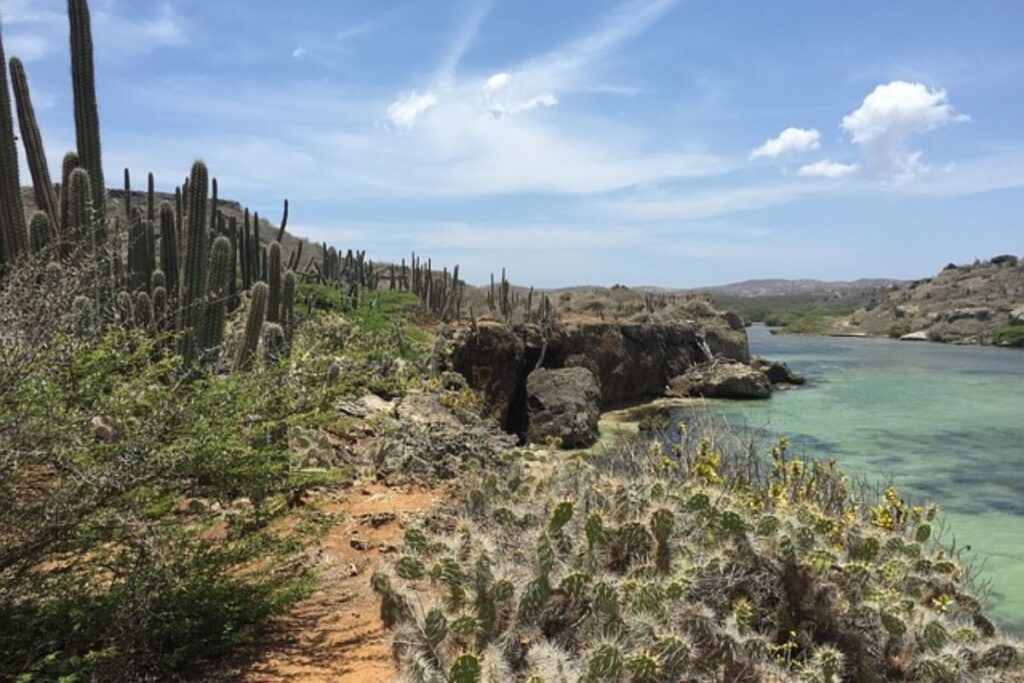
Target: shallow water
[{"x": 946, "y": 423}]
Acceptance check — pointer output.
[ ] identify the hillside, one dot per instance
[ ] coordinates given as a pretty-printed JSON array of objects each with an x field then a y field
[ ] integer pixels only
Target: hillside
[
  {"x": 230, "y": 209},
  {"x": 784, "y": 287},
  {"x": 980, "y": 303}
]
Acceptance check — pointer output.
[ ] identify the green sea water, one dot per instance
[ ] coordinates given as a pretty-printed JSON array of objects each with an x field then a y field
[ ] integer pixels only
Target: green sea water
[{"x": 946, "y": 423}]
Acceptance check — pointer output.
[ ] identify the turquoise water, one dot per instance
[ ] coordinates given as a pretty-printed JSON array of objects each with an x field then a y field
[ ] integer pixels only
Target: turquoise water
[{"x": 946, "y": 423}]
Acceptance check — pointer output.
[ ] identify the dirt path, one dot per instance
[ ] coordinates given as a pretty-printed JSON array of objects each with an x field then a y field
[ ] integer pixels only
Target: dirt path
[{"x": 335, "y": 635}]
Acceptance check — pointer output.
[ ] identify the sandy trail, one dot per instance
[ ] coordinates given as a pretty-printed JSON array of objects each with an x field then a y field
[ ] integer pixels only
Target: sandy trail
[{"x": 335, "y": 634}]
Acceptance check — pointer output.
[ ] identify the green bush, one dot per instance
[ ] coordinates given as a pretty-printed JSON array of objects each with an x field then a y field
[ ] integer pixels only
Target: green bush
[
  {"x": 898, "y": 329},
  {"x": 137, "y": 510},
  {"x": 1010, "y": 335}
]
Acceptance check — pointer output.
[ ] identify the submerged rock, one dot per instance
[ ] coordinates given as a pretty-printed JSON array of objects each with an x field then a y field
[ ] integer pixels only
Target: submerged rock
[
  {"x": 721, "y": 380},
  {"x": 563, "y": 404}
]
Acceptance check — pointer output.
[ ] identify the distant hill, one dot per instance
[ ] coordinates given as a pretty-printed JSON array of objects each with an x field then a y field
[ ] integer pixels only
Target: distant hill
[
  {"x": 782, "y": 287},
  {"x": 980, "y": 303}
]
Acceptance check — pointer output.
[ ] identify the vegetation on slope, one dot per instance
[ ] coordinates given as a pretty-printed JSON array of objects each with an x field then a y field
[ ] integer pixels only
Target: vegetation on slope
[
  {"x": 142, "y": 509},
  {"x": 979, "y": 303},
  {"x": 800, "y": 313}
]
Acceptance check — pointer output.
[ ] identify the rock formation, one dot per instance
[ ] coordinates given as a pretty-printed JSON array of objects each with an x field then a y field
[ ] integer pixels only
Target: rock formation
[
  {"x": 721, "y": 380},
  {"x": 563, "y": 404}
]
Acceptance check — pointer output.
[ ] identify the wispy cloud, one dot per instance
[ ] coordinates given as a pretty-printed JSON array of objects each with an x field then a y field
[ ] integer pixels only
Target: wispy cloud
[
  {"x": 691, "y": 204},
  {"x": 826, "y": 169},
  {"x": 38, "y": 27},
  {"x": 446, "y": 69},
  {"x": 789, "y": 140}
]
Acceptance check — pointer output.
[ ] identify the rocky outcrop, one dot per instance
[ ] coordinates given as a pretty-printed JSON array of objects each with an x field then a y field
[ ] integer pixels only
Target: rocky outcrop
[
  {"x": 563, "y": 405},
  {"x": 491, "y": 358},
  {"x": 627, "y": 361},
  {"x": 777, "y": 373},
  {"x": 632, "y": 361},
  {"x": 721, "y": 380}
]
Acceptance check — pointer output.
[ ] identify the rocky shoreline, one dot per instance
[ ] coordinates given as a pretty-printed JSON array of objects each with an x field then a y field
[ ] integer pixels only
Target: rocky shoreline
[{"x": 550, "y": 384}]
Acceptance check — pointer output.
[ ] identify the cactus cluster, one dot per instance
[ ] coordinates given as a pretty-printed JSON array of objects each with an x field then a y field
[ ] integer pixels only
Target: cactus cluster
[
  {"x": 182, "y": 261},
  {"x": 577, "y": 574},
  {"x": 511, "y": 306}
]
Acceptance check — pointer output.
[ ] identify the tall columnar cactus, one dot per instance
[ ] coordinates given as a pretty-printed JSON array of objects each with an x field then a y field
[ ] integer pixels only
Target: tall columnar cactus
[
  {"x": 243, "y": 250},
  {"x": 160, "y": 309},
  {"x": 70, "y": 163},
  {"x": 13, "y": 232},
  {"x": 253, "y": 327},
  {"x": 87, "y": 119},
  {"x": 40, "y": 230},
  {"x": 288, "y": 288},
  {"x": 196, "y": 252},
  {"x": 32, "y": 140},
  {"x": 141, "y": 259},
  {"x": 144, "y": 310},
  {"x": 233, "y": 280},
  {"x": 79, "y": 232},
  {"x": 274, "y": 344},
  {"x": 169, "y": 263},
  {"x": 216, "y": 295},
  {"x": 274, "y": 276}
]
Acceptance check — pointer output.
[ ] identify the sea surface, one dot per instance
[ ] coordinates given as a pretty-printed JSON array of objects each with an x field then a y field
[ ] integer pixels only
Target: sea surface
[{"x": 946, "y": 423}]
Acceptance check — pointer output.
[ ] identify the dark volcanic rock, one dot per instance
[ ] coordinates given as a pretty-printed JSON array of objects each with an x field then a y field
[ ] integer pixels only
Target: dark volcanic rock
[
  {"x": 632, "y": 361},
  {"x": 777, "y": 373},
  {"x": 722, "y": 380},
  {"x": 563, "y": 404},
  {"x": 491, "y": 358},
  {"x": 629, "y": 361}
]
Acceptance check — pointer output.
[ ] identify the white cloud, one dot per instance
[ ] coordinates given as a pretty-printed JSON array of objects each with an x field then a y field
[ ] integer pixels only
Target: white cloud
[
  {"x": 406, "y": 111},
  {"x": 299, "y": 52},
  {"x": 688, "y": 205},
  {"x": 889, "y": 116},
  {"x": 542, "y": 100},
  {"x": 789, "y": 140},
  {"x": 496, "y": 82},
  {"x": 826, "y": 169}
]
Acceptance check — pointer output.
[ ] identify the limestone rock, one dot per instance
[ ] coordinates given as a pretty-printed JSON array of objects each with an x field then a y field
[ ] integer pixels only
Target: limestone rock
[
  {"x": 722, "y": 380},
  {"x": 563, "y": 404}
]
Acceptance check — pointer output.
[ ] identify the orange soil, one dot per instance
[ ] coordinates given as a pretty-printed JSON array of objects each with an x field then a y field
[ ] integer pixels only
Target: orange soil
[{"x": 335, "y": 634}]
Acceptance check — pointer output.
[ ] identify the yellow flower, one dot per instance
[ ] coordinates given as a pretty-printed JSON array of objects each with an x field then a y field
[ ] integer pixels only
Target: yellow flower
[{"x": 942, "y": 603}]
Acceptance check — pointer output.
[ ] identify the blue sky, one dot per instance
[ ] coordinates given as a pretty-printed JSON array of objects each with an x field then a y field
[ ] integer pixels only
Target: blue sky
[{"x": 648, "y": 142}]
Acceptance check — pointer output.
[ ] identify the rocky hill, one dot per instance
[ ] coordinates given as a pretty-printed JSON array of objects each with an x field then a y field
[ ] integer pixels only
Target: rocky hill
[
  {"x": 980, "y": 303},
  {"x": 784, "y": 287}
]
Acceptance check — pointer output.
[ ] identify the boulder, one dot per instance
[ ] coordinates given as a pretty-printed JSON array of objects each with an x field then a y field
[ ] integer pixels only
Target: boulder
[
  {"x": 563, "y": 404},
  {"x": 1017, "y": 316},
  {"x": 777, "y": 372},
  {"x": 421, "y": 408},
  {"x": 722, "y": 380}
]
